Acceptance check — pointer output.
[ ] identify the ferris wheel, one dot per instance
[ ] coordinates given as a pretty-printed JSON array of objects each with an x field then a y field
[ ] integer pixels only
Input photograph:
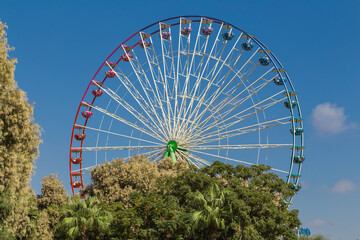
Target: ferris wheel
[{"x": 191, "y": 88}]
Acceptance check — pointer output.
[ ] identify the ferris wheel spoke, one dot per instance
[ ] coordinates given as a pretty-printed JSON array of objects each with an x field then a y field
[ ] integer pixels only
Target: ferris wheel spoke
[
  {"x": 217, "y": 93},
  {"x": 214, "y": 76},
  {"x": 202, "y": 146},
  {"x": 118, "y": 134},
  {"x": 249, "y": 89},
  {"x": 226, "y": 102},
  {"x": 199, "y": 50},
  {"x": 222, "y": 134},
  {"x": 220, "y": 89},
  {"x": 185, "y": 72},
  {"x": 152, "y": 134},
  {"x": 149, "y": 125},
  {"x": 200, "y": 162},
  {"x": 201, "y": 72},
  {"x": 119, "y": 148},
  {"x": 183, "y": 49},
  {"x": 241, "y": 116},
  {"x": 136, "y": 95},
  {"x": 224, "y": 62},
  {"x": 157, "y": 155},
  {"x": 146, "y": 87},
  {"x": 235, "y": 160},
  {"x": 186, "y": 158},
  {"x": 84, "y": 170},
  {"x": 166, "y": 55},
  {"x": 176, "y": 81},
  {"x": 157, "y": 78}
]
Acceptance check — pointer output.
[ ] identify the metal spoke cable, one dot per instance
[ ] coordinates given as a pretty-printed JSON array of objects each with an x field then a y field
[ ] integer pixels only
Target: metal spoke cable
[
  {"x": 154, "y": 127},
  {"x": 117, "y": 148},
  {"x": 119, "y": 134},
  {"x": 200, "y": 125},
  {"x": 136, "y": 98},
  {"x": 241, "y": 116},
  {"x": 141, "y": 71},
  {"x": 235, "y": 160},
  {"x": 219, "y": 92},
  {"x": 152, "y": 134},
  {"x": 156, "y": 79},
  {"x": 241, "y": 131}
]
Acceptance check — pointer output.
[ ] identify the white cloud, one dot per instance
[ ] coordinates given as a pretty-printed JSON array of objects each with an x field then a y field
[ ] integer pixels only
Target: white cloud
[
  {"x": 328, "y": 118},
  {"x": 343, "y": 186},
  {"x": 319, "y": 223}
]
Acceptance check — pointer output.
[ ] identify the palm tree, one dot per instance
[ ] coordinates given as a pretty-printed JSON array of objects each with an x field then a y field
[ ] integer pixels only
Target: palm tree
[
  {"x": 83, "y": 219},
  {"x": 209, "y": 218}
]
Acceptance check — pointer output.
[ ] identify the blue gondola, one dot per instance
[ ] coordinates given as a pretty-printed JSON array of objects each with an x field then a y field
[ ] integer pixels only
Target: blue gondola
[
  {"x": 298, "y": 131},
  {"x": 278, "y": 81},
  {"x": 293, "y": 104},
  {"x": 299, "y": 159},
  {"x": 296, "y": 187},
  {"x": 247, "y": 46},
  {"x": 264, "y": 61},
  {"x": 228, "y": 36}
]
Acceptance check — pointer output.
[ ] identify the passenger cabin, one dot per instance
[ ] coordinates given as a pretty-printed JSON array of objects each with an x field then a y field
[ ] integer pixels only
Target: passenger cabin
[
  {"x": 228, "y": 36},
  {"x": 207, "y": 30},
  {"x": 247, "y": 46},
  {"x": 80, "y": 137},
  {"x": 76, "y": 160},
  {"x": 110, "y": 74},
  {"x": 186, "y": 30},
  {"x": 288, "y": 105},
  {"x": 86, "y": 114},
  {"x": 264, "y": 61}
]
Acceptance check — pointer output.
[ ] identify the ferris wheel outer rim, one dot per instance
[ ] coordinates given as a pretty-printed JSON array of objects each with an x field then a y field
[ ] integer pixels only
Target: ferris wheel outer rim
[{"x": 271, "y": 55}]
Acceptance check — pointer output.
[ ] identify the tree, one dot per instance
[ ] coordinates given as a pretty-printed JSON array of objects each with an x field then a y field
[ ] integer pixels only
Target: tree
[
  {"x": 150, "y": 216},
  {"x": 116, "y": 180},
  {"x": 52, "y": 193},
  {"x": 19, "y": 141},
  {"x": 83, "y": 220},
  {"x": 52, "y": 197},
  {"x": 5, "y": 209},
  {"x": 253, "y": 207},
  {"x": 216, "y": 202}
]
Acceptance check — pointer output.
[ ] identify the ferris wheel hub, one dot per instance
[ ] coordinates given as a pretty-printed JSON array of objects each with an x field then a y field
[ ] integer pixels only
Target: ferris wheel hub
[{"x": 172, "y": 145}]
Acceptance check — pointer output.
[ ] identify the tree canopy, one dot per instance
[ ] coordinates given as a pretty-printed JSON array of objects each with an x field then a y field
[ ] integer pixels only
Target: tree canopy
[
  {"x": 115, "y": 180},
  {"x": 19, "y": 141},
  {"x": 216, "y": 202}
]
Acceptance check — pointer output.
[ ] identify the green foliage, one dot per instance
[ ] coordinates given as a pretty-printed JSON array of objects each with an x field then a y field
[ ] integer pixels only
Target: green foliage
[
  {"x": 52, "y": 192},
  {"x": 216, "y": 202},
  {"x": 209, "y": 218},
  {"x": 19, "y": 141},
  {"x": 83, "y": 220},
  {"x": 116, "y": 180},
  {"x": 5, "y": 205},
  {"x": 52, "y": 197},
  {"x": 150, "y": 216},
  {"x": 249, "y": 201}
]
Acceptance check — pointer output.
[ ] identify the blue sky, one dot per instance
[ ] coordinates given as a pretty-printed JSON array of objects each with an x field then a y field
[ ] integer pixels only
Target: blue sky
[{"x": 60, "y": 44}]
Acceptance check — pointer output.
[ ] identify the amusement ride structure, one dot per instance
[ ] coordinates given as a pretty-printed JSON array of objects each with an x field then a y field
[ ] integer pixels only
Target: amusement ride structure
[{"x": 192, "y": 88}]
